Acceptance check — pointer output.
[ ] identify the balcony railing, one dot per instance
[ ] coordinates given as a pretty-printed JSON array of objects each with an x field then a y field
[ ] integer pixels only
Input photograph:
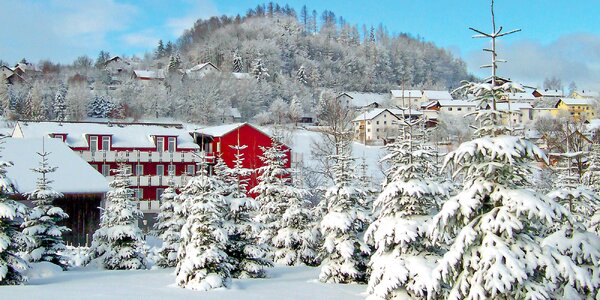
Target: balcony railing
[{"x": 146, "y": 156}]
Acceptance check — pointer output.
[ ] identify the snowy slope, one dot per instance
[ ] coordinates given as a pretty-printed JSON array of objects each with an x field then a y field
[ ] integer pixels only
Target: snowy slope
[{"x": 284, "y": 283}]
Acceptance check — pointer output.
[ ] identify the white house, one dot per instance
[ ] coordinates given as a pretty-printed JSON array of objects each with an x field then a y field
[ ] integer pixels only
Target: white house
[
  {"x": 358, "y": 100},
  {"x": 414, "y": 98},
  {"x": 200, "y": 70},
  {"x": 380, "y": 125}
]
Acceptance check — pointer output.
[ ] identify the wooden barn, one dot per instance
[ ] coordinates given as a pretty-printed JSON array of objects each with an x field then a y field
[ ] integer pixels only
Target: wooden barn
[{"x": 82, "y": 186}]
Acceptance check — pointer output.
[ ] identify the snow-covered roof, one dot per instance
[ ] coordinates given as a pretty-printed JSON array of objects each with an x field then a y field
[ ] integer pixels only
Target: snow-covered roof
[
  {"x": 73, "y": 174},
  {"x": 437, "y": 95},
  {"x": 201, "y": 66},
  {"x": 124, "y": 135},
  {"x": 520, "y": 96},
  {"x": 512, "y": 106},
  {"x": 461, "y": 103},
  {"x": 234, "y": 112},
  {"x": 152, "y": 74},
  {"x": 407, "y": 93},
  {"x": 587, "y": 94},
  {"x": 237, "y": 75},
  {"x": 576, "y": 101},
  {"x": 373, "y": 113},
  {"x": 221, "y": 130},
  {"x": 550, "y": 93},
  {"x": 366, "y": 99}
]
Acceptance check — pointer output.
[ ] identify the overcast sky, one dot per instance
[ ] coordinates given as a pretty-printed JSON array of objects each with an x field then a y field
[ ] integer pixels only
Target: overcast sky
[{"x": 559, "y": 38}]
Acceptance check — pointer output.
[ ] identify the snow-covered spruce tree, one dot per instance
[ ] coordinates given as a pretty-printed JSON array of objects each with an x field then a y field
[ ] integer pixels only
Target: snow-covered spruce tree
[
  {"x": 581, "y": 201},
  {"x": 273, "y": 177},
  {"x": 168, "y": 226},
  {"x": 118, "y": 243},
  {"x": 11, "y": 211},
  {"x": 345, "y": 254},
  {"x": 591, "y": 176},
  {"x": 259, "y": 71},
  {"x": 203, "y": 263},
  {"x": 60, "y": 103},
  {"x": 301, "y": 75},
  {"x": 41, "y": 223},
  {"x": 404, "y": 257},
  {"x": 238, "y": 65},
  {"x": 247, "y": 255}
]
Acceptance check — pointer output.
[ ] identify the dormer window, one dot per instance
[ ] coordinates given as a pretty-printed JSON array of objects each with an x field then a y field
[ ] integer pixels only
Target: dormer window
[{"x": 93, "y": 143}]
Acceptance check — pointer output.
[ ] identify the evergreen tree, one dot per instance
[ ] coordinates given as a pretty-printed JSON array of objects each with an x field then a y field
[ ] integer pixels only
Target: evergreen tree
[
  {"x": 203, "y": 262},
  {"x": 346, "y": 255},
  {"x": 118, "y": 243},
  {"x": 591, "y": 176},
  {"x": 168, "y": 226},
  {"x": 60, "y": 104},
  {"x": 259, "y": 71},
  {"x": 273, "y": 180},
  {"x": 160, "y": 50},
  {"x": 174, "y": 64},
  {"x": 4, "y": 95},
  {"x": 11, "y": 211},
  {"x": 41, "y": 223},
  {"x": 301, "y": 75},
  {"x": 404, "y": 257},
  {"x": 100, "y": 107},
  {"x": 238, "y": 64},
  {"x": 247, "y": 255}
]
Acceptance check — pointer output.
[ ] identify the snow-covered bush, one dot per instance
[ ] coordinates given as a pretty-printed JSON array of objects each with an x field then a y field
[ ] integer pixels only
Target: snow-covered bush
[
  {"x": 118, "y": 243},
  {"x": 41, "y": 223}
]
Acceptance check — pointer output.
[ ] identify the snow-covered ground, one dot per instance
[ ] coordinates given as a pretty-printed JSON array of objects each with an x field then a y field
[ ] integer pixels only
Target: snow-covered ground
[{"x": 47, "y": 282}]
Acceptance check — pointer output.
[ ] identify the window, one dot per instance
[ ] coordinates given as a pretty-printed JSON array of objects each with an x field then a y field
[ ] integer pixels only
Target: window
[
  {"x": 105, "y": 143},
  {"x": 377, "y": 130},
  {"x": 139, "y": 170},
  {"x": 106, "y": 170},
  {"x": 449, "y": 108},
  {"x": 128, "y": 169},
  {"x": 377, "y": 122},
  {"x": 172, "y": 170},
  {"x": 219, "y": 147},
  {"x": 159, "y": 192},
  {"x": 459, "y": 109},
  {"x": 384, "y": 122},
  {"x": 369, "y": 130},
  {"x": 160, "y": 170},
  {"x": 160, "y": 144},
  {"x": 171, "y": 144},
  {"x": 93, "y": 143},
  {"x": 139, "y": 193},
  {"x": 190, "y": 169}
]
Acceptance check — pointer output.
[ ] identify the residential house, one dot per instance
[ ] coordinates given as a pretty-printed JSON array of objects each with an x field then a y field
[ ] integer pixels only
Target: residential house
[
  {"x": 359, "y": 101},
  {"x": 380, "y": 125},
  {"x": 200, "y": 70},
  {"x": 414, "y": 98},
  {"x": 152, "y": 151},
  {"x": 516, "y": 114},
  {"x": 548, "y": 94},
  {"x": 583, "y": 94},
  {"x": 83, "y": 188},
  {"x": 216, "y": 141},
  {"x": 579, "y": 109},
  {"x": 117, "y": 65},
  {"x": 149, "y": 74}
]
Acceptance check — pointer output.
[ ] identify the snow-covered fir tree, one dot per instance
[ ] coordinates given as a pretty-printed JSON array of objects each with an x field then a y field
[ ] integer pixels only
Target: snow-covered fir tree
[
  {"x": 247, "y": 255},
  {"x": 301, "y": 75},
  {"x": 168, "y": 226},
  {"x": 41, "y": 223},
  {"x": 259, "y": 71},
  {"x": 11, "y": 265},
  {"x": 118, "y": 243},
  {"x": 404, "y": 257},
  {"x": 495, "y": 224},
  {"x": 238, "y": 65},
  {"x": 346, "y": 255},
  {"x": 581, "y": 201},
  {"x": 591, "y": 176},
  {"x": 60, "y": 103},
  {"x": 100, "y": 107},
  {"x": 203, "y": 262},
  {"x": 174, "y": 63},
  {"x": 273, "y": 178}
]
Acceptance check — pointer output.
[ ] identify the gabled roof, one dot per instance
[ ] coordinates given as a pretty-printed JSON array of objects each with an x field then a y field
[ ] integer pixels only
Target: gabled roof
[
  {"x": 520, "y": 96},
  {"x": 150, "y": 74},
  {"x": 124, "y": 135},
  {"x": 437, "y": 95},
  {"x": 585, "y": 94},
  {"x": 222, "y": 130},
  {"x": 407, "y": 93},
  {"x": 459, "y": 103},
  {"x": 73, "y": 175},
  {"x": 358, "y": 99},
  {"x": 396, "y": 112},
  {"x": 115, "y": 59},
  {"x": 575, "y": 101},
  {"x": 549, "y": 93},
  {"x": 201, "y": 66}
]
